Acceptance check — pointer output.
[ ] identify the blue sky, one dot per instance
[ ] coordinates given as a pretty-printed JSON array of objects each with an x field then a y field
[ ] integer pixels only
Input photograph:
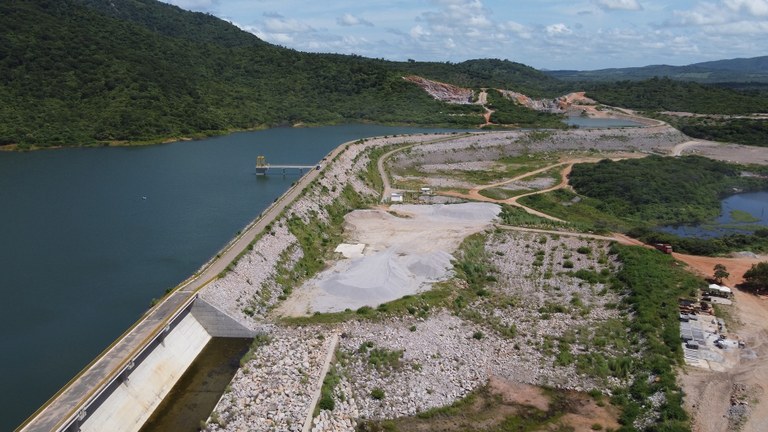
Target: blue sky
[{"x": 546, "y": 34}]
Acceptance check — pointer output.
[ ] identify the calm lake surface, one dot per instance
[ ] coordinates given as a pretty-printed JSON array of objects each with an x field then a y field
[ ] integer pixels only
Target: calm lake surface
[
  {"x": 88, "y": 237},
  {"x": 754, "y": 203}
]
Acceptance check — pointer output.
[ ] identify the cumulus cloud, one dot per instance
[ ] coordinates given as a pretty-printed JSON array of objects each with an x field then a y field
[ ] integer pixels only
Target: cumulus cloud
[
  {"x": 726, "y": 17},
  {"x": 631, "y": 5},
  {"x": 756, "y": 8},
  {"x": 703, "y": 15},
  {"x": 455, "y": 28},
  {"x": 587, "y": 34},
  {"x": 517, "y": 29},
  {"x": 348, "y": 20},
  {"x": 286, "y": 25},
  {"x": 558, "y": 29}
]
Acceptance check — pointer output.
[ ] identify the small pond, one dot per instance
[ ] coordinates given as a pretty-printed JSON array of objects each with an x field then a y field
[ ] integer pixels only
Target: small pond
[{"x": 739, "y": 214}]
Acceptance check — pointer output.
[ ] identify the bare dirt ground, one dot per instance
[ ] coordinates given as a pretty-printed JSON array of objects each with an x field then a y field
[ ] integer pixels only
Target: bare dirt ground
[
  {"x": 583, "y": 411},
  {"x": 725, "y": 152},
  {"x": 734, "y": 399},
  {"x": 406, "y": 249}
]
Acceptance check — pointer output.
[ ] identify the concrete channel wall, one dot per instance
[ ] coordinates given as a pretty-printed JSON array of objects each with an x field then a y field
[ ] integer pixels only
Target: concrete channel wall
[
  {"x": 129, "y": 402},
  {"x": 134, "y": 399},
  {"x": 218, "y": 323}
]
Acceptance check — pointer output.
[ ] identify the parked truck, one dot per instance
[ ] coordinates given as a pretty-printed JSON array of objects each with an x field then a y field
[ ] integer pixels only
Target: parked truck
[{"x": 664, "y": 247}]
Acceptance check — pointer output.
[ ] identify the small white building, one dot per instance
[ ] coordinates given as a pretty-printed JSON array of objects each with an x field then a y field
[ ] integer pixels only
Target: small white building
[
  {"x": 426, "y": 191},
  {"x": 396, "y": 197}
]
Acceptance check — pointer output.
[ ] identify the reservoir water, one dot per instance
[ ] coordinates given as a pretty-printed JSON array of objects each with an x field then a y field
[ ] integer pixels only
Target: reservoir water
[
  {"x": 739, "y": 214},
  {"x": 88, "y": 237}
]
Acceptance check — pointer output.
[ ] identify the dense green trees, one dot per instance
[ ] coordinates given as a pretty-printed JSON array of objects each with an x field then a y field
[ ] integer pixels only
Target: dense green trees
[
  {"x": 661, "y": 190},
  {"x": 749, "y": 131},
  {"x": 664, "y": 94},
  {"x": 756, "y": 278},
  {"x": 79, "y": 72}
]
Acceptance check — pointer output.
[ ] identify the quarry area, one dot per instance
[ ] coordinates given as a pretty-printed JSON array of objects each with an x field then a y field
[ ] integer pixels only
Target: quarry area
[{"x": 384, "y": 329}]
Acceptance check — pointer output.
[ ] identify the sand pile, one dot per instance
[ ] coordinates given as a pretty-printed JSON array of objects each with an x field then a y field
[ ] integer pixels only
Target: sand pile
[{"x": 407, "y": 249}]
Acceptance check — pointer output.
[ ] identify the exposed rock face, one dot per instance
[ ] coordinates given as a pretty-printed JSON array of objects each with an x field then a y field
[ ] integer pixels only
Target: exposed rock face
[
  {"x": 548, "y": 105},
  {"x": 442, "y": 91},
  {"x": 459, "y": 95}
]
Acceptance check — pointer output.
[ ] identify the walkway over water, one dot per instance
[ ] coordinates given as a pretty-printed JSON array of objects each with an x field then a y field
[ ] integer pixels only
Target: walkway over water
[{"x": 262, "y": 167}]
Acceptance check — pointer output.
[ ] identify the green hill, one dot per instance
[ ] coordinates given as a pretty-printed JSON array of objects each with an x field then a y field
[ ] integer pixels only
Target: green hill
[
  {"x": 752, "y": 70},
  {"x": 664, "y": 94},
  {"x": 86, "y": 72}
]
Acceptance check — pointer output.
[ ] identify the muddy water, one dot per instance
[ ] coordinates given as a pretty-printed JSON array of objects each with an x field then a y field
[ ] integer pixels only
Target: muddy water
[{"x": 192, "y": 399}]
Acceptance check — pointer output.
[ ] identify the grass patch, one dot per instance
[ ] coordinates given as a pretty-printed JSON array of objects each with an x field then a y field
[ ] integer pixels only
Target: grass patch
[
  {"x": 509, "y": 167},
  {"x": 499, "y": 193},
  {"x": 317, "y": 239},
  {"x": 331, "y": 380},
  {"x": 483, "y": 410},
  {"x": 742, "y": 216},
  {"x": 582, "y": 211}
]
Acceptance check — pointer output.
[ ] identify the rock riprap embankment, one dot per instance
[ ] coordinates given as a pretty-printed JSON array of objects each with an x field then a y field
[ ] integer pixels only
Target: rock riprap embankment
[
  {"x": 273, "y": 390},
  {"x": 249, "y": 291}
]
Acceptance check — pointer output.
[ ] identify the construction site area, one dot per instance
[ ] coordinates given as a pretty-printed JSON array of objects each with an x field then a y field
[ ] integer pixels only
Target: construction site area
[{"x": 447, "y": 290}]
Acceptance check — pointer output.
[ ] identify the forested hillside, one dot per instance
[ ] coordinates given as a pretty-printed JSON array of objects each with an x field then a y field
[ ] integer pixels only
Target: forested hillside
[
  {"x": 659, "y": 190},
  {"x": 89, "y": 72},
  {"x": 82, "y": 72},
  {"x": 741, "y": 70},
  {"x": 664, "y": 94}
]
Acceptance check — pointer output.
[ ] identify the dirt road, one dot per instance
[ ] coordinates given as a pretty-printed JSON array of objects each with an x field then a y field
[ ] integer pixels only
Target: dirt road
[
  {"x": 387, "y": 189},
  {"x": 714, "y": 398},
  {"x": 474, "y": 193}
]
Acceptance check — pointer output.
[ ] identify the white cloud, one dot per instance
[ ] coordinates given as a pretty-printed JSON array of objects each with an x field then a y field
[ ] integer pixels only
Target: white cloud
[
  {"x": 703, "y": 15},
  {"x": 585, "y": 34},
  {"x": 558, "y": 29},
  {"x": 730, "y": 17},
  {"x": 418, "y": 32},
  {"x": 285, "y": 25},
  {"x": 517, "y": 29},
  {"x": 350, "y": 20},
  {"x": 756, "y": 8},
  {"x": 631, "y": 5}
]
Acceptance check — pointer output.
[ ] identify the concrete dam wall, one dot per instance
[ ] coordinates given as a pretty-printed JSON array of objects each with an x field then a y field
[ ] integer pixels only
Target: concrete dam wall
[{"x": 131, "y": 400}]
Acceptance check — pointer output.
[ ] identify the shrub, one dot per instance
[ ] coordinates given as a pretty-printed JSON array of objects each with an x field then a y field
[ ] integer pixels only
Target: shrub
[
  {"x": 377, "y": 393},
  {"x": 326, "y": 402}
]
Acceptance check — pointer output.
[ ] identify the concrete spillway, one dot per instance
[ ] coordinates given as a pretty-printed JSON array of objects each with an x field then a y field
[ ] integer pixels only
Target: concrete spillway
[
  {"x": 132, "y": 402},
  {"x": 126, "y": 401}
]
